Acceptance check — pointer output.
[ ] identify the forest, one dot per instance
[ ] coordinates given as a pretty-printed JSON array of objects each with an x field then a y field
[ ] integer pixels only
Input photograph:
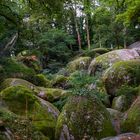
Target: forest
[{"x": 69, "y": 69}]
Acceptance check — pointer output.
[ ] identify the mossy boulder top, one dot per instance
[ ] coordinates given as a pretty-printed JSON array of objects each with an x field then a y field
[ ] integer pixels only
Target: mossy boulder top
[
  {"x": 94, "y": 52},
  {"x": 51, "y": 94},
  {"x": 83, "y": 118},
  {"x": 14, "y": 127},
  {"x": 102, "y": 62},
  {"x": 24, "y": 103},
  {"x": 59, "y": 81},
  {"x": 80, "y": 63},
  {"x": 122, "y": 102},
  {"x": 41, "y": 80},
  {"x": 122, "y": 73},
  {"x": 131, "y": 121},
  {"x": 16, "y": 82}
]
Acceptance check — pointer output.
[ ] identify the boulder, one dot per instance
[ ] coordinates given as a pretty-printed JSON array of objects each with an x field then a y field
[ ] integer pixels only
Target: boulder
[
  {"x": 125, "y": 136},
  {"x": 14, "y": 127},
  {"x": 22, "y": 102},
  {"x": 94, "y": 52},
  {"x": 122, "y": 73},
  {"x": 41, "y": 80},
  {"x": 60, "y": 81},
  {"x": 51, "y": 94},
  {"x": 121, "y": 103},
  {"x": 102, "y": 62},
  {"x": 83, "y": 118},
  {"x": 115, "y": 118},
  {"x": 80, "y": 63},
  {"x": 131, "y": 120},
  {"x": 16, "y": 82}
]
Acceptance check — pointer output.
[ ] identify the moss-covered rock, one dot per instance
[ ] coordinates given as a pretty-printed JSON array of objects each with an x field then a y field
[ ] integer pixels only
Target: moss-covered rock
[
  {"x": 41, "y": 80},
  {"x": 122, "y": 73},
  {"x": 125, "y": 136},
  {"x": 93, "y": 53},
  {"x": 115, "y": 114},
  {"x": 83, "y": 118},
  {"x": 24, "y": 103},
  {"x": 11, "y": 68},
  {"x": 102, "y": 62},
  {"x": 116, "y": 117},
  {"x": 13, "y": 127},
  {"x": 63, "y": 72},
  {"x": 51, "y": 94},
  {"x": 16, "y": 82},
  {"x": 121, "y": 103},
  {"x": 60, "y": 81},
  {"x": 80, "y": 63},
  {"x": 131, "y": 121}
]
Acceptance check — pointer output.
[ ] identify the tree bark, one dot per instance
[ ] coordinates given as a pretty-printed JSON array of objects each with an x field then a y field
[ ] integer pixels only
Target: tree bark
[
  {"x": 88, "y": 36},
  {"x": 76, "y": 26},
  {"x": 6, "y": 50}
]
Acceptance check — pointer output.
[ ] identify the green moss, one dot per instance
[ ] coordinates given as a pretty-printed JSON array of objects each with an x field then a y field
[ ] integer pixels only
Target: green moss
[
  {"x": 131, "y": 122},
  {"x": 84, "y": 117},
  {"x": 59, "y": 81},
  {"x": 16, "y": 82},
  {"x": 12, "y": 68},
  {"x": 79, "y": 64},
  {"x": 122, "y": 73},
  {"x": 41, "y": 80},
  {"x": 92, "y": 53},
  {"x": 16, "y": 127},
  {"x": 52, "y": 94},
  {"x": 24, "y": 103},
  {"x": 63, "y": 72},
  {"x": 21, "y": 97},
  {"x": 102, "y": 62},
  {"x": 121, "y": 103}
]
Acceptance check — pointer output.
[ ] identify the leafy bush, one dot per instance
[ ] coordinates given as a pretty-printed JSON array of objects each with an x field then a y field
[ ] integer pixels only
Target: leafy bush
[
  {"x": 127, "y": 90},
  {"x": 85, "y": 85},
  {"x": 55, "y": 43}
]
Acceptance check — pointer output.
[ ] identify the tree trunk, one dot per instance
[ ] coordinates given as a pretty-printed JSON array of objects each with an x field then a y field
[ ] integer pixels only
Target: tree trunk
[
  {"x": 88, "y": 36},
  {"x": 6, "y": 50},
  {"x": 76, "y": 26},
  {"x": 124, "y": 37},
  {"x": 100, "y": 43}
]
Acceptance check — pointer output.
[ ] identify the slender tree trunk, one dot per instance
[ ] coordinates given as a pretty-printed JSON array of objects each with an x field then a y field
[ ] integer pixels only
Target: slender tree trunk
[
  {"x": 6, "y": 50},
  {"x": 88, "y": 36},
  {"x": 124, "y": 37},
  {"x": 117, "y": 39},
  {"x": 100, "y": 43},
  {"x": 76, "y": 26}
]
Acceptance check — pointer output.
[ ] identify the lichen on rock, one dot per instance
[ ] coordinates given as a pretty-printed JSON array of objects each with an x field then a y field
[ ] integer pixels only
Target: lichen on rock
[
  {"x": 122, "y": 73},
  {"x": 23, "y": 102},
  {"x": 80, "y": 63},
  {"x": 83, "y": 118},
  {"x": 131, "y": 120},
  {"x": 102, "y": 62}
]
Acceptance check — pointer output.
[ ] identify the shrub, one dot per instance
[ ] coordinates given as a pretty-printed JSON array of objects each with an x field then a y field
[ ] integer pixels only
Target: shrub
[
  {"x": 56, "y": 44},
  {"x": 11, "y": 68},
  {"x": 85, "y": 85}
]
